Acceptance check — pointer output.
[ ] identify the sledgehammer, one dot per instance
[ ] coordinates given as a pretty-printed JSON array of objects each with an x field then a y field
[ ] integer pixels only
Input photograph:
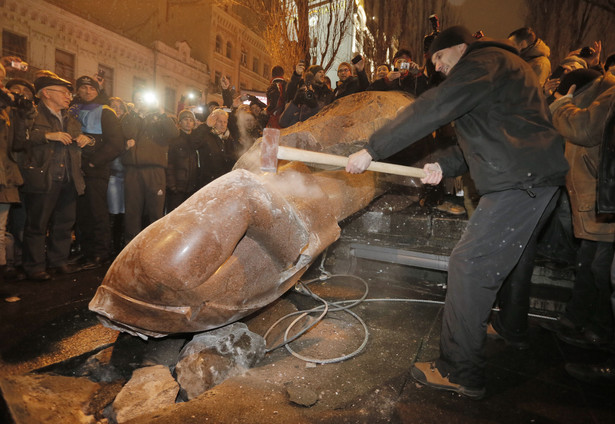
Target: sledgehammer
[{"x": 271, "y": 151}]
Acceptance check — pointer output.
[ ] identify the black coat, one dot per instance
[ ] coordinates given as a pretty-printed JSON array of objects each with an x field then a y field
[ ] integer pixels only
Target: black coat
[
  {"x": 501, "y": 119},
  {"x": 353, "y": 84},
  {"x": 606, "y": 172},
  {"x": 217, "y": 155},
  {"x": 183, "y": 167}
]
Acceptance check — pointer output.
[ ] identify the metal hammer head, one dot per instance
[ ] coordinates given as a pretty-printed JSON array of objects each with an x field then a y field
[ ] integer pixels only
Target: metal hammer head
[{"x": 269, "y": 149}]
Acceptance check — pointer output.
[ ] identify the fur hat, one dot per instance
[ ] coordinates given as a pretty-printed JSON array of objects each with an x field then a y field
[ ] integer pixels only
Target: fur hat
[
  {"x": 86, "y": 80},
  {"x": 21, "y": 81},
  {"x": 451, "y": 37},
  {"x": 49, "y": 80},
  {"x": 186, "y": 113}
]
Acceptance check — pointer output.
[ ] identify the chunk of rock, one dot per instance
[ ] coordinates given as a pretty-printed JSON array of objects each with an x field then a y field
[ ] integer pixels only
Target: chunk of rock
[
  {"x": 301, "y": 394},
  {"x": 212, "y": 357},
  {"x": 149, "y": 389},
  {"x": 48, "y": 398}
]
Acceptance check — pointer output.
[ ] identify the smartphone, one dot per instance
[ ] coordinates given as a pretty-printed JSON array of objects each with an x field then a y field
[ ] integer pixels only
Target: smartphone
[{"x": 357, "y": 59}]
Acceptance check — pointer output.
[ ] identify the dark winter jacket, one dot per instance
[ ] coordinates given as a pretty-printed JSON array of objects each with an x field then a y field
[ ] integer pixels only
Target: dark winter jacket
[
  {"x": 182, "y": 171},
  {"x": 352, "y": 84},
  {"x": 12, "y": 126},
  {"x": 45, "y": 161},
  {"x": 606, "y": 171},
  {"x": 102, "y": 124},
  {"x": 296, "y": 111},
  {"x": 152, "y": 134},
  {"x": 217, "y": 154},
  {"x": 501, "y": 119}
]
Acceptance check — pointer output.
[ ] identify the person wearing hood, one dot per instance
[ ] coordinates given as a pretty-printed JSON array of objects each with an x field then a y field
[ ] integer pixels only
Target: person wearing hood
[
  {"x": 534, "y": 51},
  {"x": 101, "y": 124},
  {"x": 515, "y": 157},
  {"x": 306, "y": 94}
]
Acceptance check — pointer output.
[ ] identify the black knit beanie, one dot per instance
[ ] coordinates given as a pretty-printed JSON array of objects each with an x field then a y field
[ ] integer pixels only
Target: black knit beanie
[
  {"x": 451, "y": 37},
  {"x": 579, "y": 77}
]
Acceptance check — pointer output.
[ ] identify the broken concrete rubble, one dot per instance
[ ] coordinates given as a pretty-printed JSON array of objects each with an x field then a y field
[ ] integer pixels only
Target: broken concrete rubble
[
  {"x": 149, "y": 389},
  {"x": 212, "y": 357},
  {"x": 246, "y": 238}
]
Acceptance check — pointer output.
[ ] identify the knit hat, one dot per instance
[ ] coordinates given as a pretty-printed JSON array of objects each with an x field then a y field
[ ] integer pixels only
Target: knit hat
[
  {"x": 579, "y": 77},
  {"x": 21, "y": 81},
  {"x": 49, "y": 80},
  {"x": 186, "y": 113},
  {"x": 86, "y": 80},
  {"x": 314, "y": 69},
  {"x": 451, "y": 37}
]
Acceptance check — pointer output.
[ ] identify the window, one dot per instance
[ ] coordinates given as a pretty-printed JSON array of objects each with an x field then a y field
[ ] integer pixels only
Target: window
[
  {"x": 169, "y": 100},
  {"x": 108, "y": 76},
  {"x": 229, "y": 50},
  {"x": 138, "y": 84},
  {"x": 14, "y": 45},
  {"x": 218, "y": 44},
  {"x": 216, "y": 87},
  {"x": 244, "y": 57},
  {"x": 266, "y": 70},
  {"x": 255, "y": 65},
  {"x": 65, "y": 65},
  {"x": 243, "y": 86}
]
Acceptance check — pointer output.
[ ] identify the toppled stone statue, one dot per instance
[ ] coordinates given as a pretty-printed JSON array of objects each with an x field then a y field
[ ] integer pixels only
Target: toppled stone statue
[{"x": 243, "y": 240}]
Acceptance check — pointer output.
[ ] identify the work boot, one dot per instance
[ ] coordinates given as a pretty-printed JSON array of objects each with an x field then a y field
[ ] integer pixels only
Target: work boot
[
  {"x": 586, "y": 339},
  {"x": 428, "y": 375},
  {"x": 593, "y": 373}
]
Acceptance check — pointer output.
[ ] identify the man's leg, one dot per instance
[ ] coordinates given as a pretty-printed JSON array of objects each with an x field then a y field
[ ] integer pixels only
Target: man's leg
[
  {"x": 134, "y": 198},
  {"x": 489, "y": 249},
  {"x": 155, "y": 183},
  {"x": 514, "y": 296},
  {"x": 62, "y": 222}
]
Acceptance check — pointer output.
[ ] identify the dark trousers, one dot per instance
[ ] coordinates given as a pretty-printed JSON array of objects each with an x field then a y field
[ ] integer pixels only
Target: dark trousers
[
  {"x": 589, "y": 305},
  {"x": 144, "y": 193},
  {"x": 514, "y": 296},
  {"x": 488, "y": 251},
  {"x": 174, "y": 199},
  {"x": 93, "y": 219},
  {"x": 55, "y": 212}
]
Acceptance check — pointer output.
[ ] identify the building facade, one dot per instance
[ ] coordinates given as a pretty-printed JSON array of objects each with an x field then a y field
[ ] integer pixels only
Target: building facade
[{"x": 52, "y": 37}]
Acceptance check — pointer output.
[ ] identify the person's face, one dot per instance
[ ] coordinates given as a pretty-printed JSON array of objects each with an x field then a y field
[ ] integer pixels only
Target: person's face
[
  {"x": 22, "y": 90},
  {"x": 221, "y": 123},
  {"x": 57, "y": 97},
  {"x": 187, "y": 124},
  {"x": 87, "y": 93},
  {"x": 255, "y": 109},
  {"x": 319, "y": 76},
  {"x": 445, "y": 59},
  {"x": 117, "y": 107},
  {"x": 382, "y": 71},
  {"x": 343, "y": 72}
]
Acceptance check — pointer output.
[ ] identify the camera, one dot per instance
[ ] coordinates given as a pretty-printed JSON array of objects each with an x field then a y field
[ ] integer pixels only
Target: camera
[
  {"x": 18, "y": 101},
  {"x": 404, "y": 66},
  {"x": 22, "y": 66},
  {"x": 586, "y": 52}
]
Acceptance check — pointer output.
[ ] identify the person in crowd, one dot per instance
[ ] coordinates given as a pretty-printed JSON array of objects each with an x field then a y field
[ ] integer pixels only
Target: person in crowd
[
  {"x": 15, "y": 109},
  {"x": 115, "y": 190},
  {"x": 52, "y": 180},
  {"x": 276, "y": 95},
  {"x": 216, "y": 147},
  {"x": 305, "y": 96},
  {"x": 349, "y": 83},
  {"x": 608, "y": 64},
  {"x": 584, "y": 99},
  {"x": 379, "y": 83},
  {"x": 148, "y": 133},
  {"x": 257, "y": 108},
  {"x": 182, "y": 171},
  {"x": 327, "y": 82},
  {"x": 518, "y": 173},
  {"x": 17, "y": 213},
  {"x": 404, "y": 76},
  {"x": 533, "y": 50},
  {"x": 101, "y": 124},
  {"x": 602, "y": 113}
]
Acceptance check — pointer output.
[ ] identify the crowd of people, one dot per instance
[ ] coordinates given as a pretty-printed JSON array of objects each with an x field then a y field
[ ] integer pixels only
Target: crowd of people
[{"x": 83, "y": 173}]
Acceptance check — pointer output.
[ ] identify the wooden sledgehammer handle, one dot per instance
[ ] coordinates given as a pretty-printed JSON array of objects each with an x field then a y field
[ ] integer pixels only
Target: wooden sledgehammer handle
[{"x": 290, "y": 153}]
